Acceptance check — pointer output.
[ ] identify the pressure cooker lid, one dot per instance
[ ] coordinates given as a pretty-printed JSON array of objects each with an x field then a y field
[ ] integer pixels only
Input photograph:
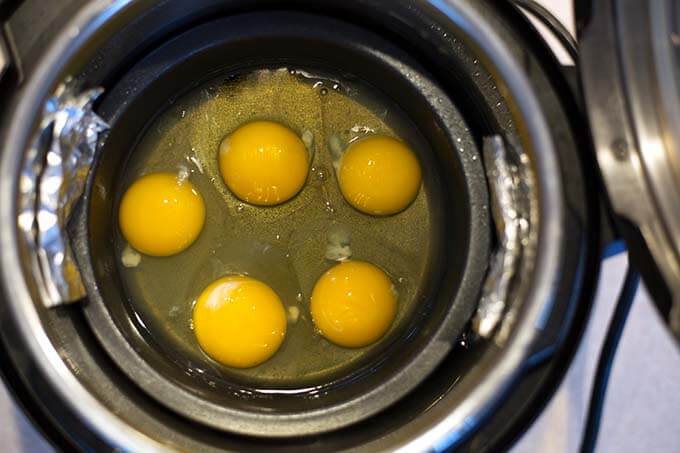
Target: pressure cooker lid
[{"x": 630, "y": 70}]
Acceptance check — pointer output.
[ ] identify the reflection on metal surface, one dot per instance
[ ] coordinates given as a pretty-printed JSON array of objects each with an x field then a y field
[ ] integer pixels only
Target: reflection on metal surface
[
  {"x": 506, "y": 174},
  {"x": 52, "y": 181},
  {"x": 4, "y": 57},
  {"x": 632, "y": 89},
  {"x": 440, "y": 425}
]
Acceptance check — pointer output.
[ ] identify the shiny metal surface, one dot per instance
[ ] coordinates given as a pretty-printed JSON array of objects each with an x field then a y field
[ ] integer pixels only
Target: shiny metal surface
[
  {"x": 4, "y": 57},
  {"x": 446, "y": 423},
  {"x": 74, "y": 393},
  {"x": 630, "y": 71},
  {"x": 457, "y": 413},
  {"x": 52, "y": 182},
  {"x": 512, "y": 229}
]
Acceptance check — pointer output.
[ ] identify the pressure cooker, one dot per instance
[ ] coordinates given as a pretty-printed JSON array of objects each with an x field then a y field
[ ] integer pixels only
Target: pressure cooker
[{"x": 545, "y": 165}]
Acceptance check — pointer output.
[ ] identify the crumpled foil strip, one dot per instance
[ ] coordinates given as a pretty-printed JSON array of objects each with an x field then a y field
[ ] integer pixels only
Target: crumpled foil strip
[
  {"x": 509, "y": 212},
  {"x": 52, "y": 181}
]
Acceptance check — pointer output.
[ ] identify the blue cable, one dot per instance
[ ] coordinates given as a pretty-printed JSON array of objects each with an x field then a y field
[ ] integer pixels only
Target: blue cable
[{"x": 606, "y": 360}]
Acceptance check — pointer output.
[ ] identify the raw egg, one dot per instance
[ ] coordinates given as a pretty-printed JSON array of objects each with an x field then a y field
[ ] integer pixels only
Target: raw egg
[
  {"x": 239, "y": 321},
  {"x": 353, "y": 304},
  {"x": 379, "y": 175},
  {"x": 264, "y": 163},
  {"x": 161, "y": 214}
]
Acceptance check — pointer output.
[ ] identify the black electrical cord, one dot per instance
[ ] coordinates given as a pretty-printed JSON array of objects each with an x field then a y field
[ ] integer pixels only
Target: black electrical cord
[
  {"x": 606, "y": 359},
  {"x": 554, "y": 25}
]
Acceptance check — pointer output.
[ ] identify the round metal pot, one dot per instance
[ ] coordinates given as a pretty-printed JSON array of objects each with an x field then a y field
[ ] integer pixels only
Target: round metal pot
[{"x": 74, "y": 365}]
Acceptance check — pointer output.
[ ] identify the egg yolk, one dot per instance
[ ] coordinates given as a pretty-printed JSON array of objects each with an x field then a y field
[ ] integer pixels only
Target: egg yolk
[
  {"x": 379, "y": 175},
  {"x": 160, "y": 215},
  {"x": 264, "y": 163},
  {"x": 353, "y": 304},
  {"x": 239, "y": 321}
]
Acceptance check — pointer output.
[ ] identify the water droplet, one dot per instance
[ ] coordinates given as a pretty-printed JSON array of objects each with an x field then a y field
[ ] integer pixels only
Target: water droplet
[
  {"x": 475, "y": 61},
  {"x": 463, "y": 341},
  {"x": 320, "y": 173},
  {"x": 240, "y": 207},
  {"x": 298, "y": 297},
  {"x": 184, "y": 113},
  {"x": 232, "y": 78},
  {"x": 278, "y": 237},
  {"x": 474, "y": 157},
  {"x": 401, "y": 280},
  {"x": 323, "y": 91}
]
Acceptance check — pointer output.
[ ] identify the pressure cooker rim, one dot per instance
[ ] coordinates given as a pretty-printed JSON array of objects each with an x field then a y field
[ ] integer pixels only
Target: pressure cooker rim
[{"x": 483, "y": 397}]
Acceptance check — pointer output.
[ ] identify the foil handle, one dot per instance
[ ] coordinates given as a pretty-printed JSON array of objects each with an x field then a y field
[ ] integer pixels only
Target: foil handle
[
  {"x": 52, "y": 182},
  {"x": 508, "y": 210}
]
